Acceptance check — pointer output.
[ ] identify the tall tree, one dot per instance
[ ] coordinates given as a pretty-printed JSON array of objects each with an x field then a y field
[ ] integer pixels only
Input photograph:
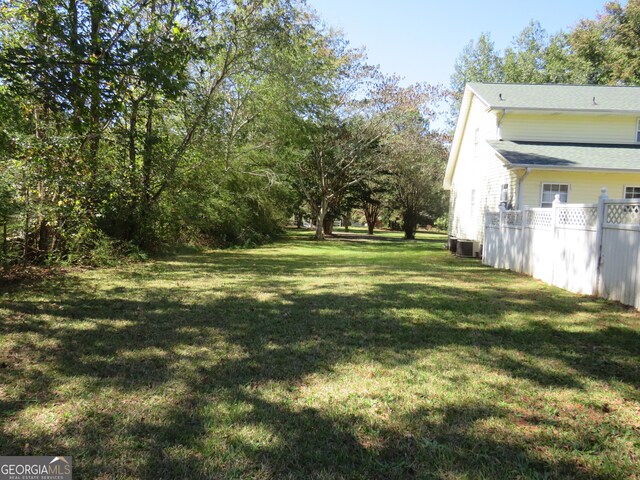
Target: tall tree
[
  {"x": 608, "y": 47},
  {"x": 525, "y": 61},
  {"x": 479, "y": 61},
  {"x": 417, "y": 170}
]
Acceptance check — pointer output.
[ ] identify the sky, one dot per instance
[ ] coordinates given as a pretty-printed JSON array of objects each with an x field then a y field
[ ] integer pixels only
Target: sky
[{"x": 421, "y": 39}]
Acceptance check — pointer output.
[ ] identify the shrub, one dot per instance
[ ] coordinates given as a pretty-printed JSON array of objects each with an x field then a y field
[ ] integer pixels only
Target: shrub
[{"x": 442, "y": 223}]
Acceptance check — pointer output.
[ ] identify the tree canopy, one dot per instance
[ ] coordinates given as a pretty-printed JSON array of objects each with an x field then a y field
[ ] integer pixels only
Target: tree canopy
[{"x": 604, "y": 51}]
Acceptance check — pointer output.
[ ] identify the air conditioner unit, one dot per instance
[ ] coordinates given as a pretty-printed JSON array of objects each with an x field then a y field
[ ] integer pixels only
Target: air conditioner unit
[
  {"x": 468, "y": 248},
  {"x": 453, "y": 244}
]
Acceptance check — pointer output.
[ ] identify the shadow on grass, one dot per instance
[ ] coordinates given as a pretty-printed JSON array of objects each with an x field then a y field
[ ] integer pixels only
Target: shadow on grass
[{"x": 224, "y": 350}]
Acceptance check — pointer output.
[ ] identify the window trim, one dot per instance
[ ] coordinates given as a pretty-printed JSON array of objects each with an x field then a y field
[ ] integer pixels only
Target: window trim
[
  {"x": 624, "y": 192},
  {"x": 568, "y": 185}
]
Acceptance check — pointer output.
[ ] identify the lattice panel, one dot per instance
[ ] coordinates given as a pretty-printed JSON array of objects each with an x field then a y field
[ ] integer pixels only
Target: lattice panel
[
  {"x": 493, "y": 219},
  {"x": 513, "y": 218},
  {"x": 623, "y": 214},
  {"x": 577, "y": 216},
  {"x": 539, "y": 218}
]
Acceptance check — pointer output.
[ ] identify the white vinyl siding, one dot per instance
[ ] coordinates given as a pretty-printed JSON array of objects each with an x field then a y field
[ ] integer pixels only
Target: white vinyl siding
[
  {"x": 549, "y": 192},
  {"x": 570, "y": 128},
  {"x": 478, "y": 177}
]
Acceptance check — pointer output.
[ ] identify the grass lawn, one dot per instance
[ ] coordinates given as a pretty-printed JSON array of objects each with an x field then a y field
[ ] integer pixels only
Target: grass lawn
[{"x": 338, "y": 359}]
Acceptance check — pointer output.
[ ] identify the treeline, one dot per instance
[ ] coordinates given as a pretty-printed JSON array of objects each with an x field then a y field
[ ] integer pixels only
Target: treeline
[
  {"x": 135, "y": 126},
  {"x": 604, "y": 51},
  {"x": 132, "y": 126}
]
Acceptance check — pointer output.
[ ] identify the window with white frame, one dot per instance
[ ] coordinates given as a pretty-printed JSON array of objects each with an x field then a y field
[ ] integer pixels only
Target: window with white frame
[
  {"x": 549, "y": 192},
  {"x": 631, "y": 192}
]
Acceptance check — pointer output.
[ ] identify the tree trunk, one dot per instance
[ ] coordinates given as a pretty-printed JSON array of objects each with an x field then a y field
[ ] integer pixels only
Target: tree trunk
[
  {"x": 147, "y": 157},
  {"x": 27, "y": 221},
  {"x": 371, "y": 215},
  {"x": 327, "y": 225},
  {"x": 4, "y": 240},
  {"x": 409, "y": 225},
  {"x": 346, "y": 221},
  {"x": 322, "y": 212}
]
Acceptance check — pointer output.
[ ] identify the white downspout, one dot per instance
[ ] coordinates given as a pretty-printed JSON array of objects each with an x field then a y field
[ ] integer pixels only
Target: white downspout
[
  {"x": 520, "y": 182},
  {"x": 499, "y": 124}
]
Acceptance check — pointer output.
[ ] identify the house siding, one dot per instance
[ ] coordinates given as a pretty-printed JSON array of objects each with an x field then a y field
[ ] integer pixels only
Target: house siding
[
  {"x": 478, "y": 176},
  {"x": 584, "y": 187},
  {"x": 609, "y": 129}
]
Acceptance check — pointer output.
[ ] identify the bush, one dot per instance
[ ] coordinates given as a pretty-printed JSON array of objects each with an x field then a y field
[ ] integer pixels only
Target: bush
[
  {"x": 94, "y": 248},
  {"x": 442, "y": 223}
]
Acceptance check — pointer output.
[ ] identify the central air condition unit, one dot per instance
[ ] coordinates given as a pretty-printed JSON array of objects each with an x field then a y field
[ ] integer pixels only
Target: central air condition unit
[
  {"x": 467, "y": 248},
  {"x": 453, "y": 244},
  {"x": 464, "y": 248}
]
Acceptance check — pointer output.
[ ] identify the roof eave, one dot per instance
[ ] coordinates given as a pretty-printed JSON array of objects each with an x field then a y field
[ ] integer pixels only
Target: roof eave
[
  {"x": 561, "y": 110},
  {"x": 461, "y": 124},
  {"x": 513, "y": 166}
]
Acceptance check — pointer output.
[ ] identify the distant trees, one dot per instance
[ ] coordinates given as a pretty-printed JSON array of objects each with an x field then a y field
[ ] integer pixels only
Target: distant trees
[
  {"x": 478, "y": 62},
  {"x": 607, "y": 47},
  {"x": 355, "y": 145},
  {"x": 150, "y": 123},
  {"x": 142, "y": 125},
  {"x": 600, "y": 51}
]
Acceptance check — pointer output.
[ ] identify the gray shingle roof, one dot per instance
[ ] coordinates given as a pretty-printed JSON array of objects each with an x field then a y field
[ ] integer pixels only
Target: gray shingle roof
[
  {"x": 569, "y": 156},
  {"x": 559, "y": 97}
]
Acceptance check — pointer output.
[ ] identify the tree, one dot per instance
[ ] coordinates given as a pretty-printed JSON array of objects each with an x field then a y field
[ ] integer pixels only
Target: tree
[
  {"x": 478, "y": 62},
  {"x": 340, "y": 156},
  {"x": 353, "y": 146},
  {"x": 525, "y": 61},
  {"x": 117, "y": 101},
  {"x": 608, "y": 47},
  {"x": 371, "y": 193},
  {"x": 417, "y": 169}
]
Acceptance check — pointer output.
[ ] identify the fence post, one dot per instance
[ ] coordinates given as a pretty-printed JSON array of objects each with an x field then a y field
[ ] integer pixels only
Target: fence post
[
  {"x": 523, "y": 238},
  {"x": 501, "y": 242},
  {"x": 554, "y": 235},
  {"x": 597, "y": 287}
]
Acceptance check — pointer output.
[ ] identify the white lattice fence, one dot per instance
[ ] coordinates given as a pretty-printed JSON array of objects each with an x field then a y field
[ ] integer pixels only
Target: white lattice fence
[
  {"x": 513, "y": 218},
  {"x": 590, "y": 249},
  {"x": 539, "y": 218},
  {"x": 581, "y": 216},
  {"x": 622, "y": 213}
]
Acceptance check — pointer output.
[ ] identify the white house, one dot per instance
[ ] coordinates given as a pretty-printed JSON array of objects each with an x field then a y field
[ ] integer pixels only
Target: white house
[{"x": 520, "y": 145}]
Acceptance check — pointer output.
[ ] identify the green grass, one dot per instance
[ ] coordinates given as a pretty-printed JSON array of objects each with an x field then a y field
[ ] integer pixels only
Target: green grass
[{"x": 339, "y": 359}]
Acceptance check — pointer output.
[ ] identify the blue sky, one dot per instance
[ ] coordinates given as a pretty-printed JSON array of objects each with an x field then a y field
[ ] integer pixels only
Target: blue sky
[{"x": 420, "y": 40}]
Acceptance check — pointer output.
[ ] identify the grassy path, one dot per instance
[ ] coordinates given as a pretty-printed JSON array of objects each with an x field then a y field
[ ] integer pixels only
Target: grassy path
[{"x": 342, "y": 359}]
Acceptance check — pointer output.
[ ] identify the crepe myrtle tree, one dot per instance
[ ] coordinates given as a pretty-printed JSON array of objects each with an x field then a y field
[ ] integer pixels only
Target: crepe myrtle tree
[
  {"x": 354, "y": 143},
  {"x": 416, "y": 172}
]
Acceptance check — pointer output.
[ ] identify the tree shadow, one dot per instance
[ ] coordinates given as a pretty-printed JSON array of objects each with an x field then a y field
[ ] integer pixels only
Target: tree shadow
[{"x": 223, "y": 351}]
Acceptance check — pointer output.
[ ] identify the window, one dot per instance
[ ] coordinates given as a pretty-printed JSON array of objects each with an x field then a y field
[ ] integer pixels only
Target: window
[
  {"x": 549, "y": 192},
  {"x": 631, "y": 192},
  {"x": 638, "y": 131}
]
